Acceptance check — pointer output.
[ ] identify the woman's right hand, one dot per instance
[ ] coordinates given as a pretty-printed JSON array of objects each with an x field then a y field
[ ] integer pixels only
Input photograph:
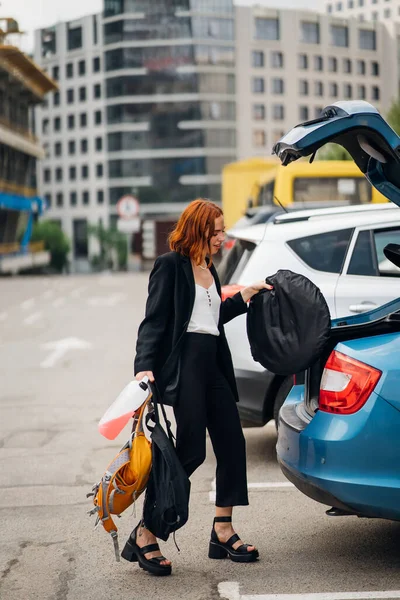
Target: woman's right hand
[{"x": 149, "y": 374}]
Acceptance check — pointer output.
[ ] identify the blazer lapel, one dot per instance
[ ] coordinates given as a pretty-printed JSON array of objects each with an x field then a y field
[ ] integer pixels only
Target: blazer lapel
[
  {"x": 216, "y": 278},
  {"x": 187, "y": 269}
]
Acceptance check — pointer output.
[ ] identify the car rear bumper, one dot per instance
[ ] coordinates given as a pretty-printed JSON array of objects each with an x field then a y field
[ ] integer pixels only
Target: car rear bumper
[{"x": 348, "y": 462}]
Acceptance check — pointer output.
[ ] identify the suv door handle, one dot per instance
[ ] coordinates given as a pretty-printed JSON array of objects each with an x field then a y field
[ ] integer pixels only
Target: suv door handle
[{"x": 363, "y": 307}]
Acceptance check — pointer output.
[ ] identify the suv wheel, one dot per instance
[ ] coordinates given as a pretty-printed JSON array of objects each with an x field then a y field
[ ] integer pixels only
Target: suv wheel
[{"x": 281, "y": 396}]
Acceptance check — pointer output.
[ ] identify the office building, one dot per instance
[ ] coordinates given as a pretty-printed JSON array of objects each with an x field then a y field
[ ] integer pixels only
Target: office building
[{"x": 387, "y": 11}]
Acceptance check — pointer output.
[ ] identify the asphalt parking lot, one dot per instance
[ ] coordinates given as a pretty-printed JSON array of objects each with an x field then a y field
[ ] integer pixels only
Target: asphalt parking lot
[{"x": 66, "y": 350}]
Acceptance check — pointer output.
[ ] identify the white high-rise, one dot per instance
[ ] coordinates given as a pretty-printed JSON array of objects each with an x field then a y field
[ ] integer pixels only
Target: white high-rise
[{"x": 387, "y": 11}]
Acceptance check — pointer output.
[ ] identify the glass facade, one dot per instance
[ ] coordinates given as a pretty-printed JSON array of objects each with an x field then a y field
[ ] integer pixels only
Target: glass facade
[{"x": 185, "y": 52}]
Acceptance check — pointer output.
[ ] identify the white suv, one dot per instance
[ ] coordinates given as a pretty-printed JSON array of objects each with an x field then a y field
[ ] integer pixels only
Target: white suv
[{"x": 340, "y": 250}]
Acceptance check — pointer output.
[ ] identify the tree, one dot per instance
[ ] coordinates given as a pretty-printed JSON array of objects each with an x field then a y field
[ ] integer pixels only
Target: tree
[
  {"x": 113, "y": 248},
  {"x": 393, "y": 116},
  {"x": 55, "y": 241},
  {"x": 333, "y": 152}
]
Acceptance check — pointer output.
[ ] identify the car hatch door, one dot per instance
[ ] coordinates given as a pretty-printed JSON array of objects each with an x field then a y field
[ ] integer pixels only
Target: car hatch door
[{"x": 362, "y": 131}]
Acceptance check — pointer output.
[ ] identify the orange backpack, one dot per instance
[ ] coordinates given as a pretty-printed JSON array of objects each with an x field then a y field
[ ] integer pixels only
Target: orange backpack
[{"x": 124, "y": 480}]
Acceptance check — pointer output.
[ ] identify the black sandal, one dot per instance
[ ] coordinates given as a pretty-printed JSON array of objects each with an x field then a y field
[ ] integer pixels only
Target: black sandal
[
  {"x": 133, "y": 553},
  {"x": 219, "y": 550}
]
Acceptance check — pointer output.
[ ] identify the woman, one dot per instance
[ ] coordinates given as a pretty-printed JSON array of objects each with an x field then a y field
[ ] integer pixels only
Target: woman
[{"x": 182, "y": 344}]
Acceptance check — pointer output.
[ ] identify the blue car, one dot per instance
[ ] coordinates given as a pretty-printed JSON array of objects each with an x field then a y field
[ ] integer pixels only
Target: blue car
[{"x": 339, "y": 432}]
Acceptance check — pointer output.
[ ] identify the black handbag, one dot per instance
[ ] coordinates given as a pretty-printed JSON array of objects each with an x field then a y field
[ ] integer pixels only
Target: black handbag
[
  {"x": 289, "y": 326},
  {"x": 166, "y": 505}
]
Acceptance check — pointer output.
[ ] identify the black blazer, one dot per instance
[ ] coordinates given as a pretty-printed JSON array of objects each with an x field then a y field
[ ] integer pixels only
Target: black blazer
[{"x": 168, "y": 310}]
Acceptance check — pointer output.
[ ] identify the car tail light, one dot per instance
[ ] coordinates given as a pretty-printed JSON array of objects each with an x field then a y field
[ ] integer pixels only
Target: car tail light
[
  {"x": 346, "y": 384},
  {"x": 228, "y": 291},
  {"x": 229, "y": 243}
]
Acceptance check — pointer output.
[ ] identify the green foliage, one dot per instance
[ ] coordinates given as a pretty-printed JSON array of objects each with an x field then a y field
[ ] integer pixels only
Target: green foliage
[
  {"x": 393, "y": 116},
  {"x": 113, "y": 248},
  {"x": 333, "y": 152},
  {"x": 55, "y": 241}
]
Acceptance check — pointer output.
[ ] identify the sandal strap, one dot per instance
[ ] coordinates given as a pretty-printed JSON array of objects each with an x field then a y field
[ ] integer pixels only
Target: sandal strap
[
  {"x": 149, "y": 548},
  {"x": 222, "y": 519},
  {"x": 159, "y": 559},
  {"x": 232, "y": 540}
]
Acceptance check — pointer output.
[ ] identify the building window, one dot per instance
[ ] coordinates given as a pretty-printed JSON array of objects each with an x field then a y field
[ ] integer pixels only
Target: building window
[
  {"x": 347, "y": 65},
  {"x": 71, "y": 147},
  {"x": 82, "y": 94},
  {"x": 387, "y": 13},
  {"x": 361, "y": 92},
  {"x": 329, "y": 8},
  {"x": 266, "y": 29},
  {"x": 348, "y": 91},
  {"x": 99, "y": 170},
  {"x": 259, "y": 138},
  {"x": 375, "y": 15},
  {"x": 57, "y": 124},
  {"x": 339, "y": 35},
  {"x": 80, "y": 237},
  {"x": 71, "y": 121},
  {"x": 333, "y": 90},
  {"x": 350, "y": 4},
  {"x": 309, "y": 32},
  {"x": 367, "y": 39},
  {"x": 56, "y": 99},
  {"x": 84, "y": 146},
  {"x": 59, "y": 174},
  {"x": 278, "y": 86},
  {"x": 83, "y": 119},
  {"x": 332, "y": 64},
  {"x": 45, "y": 126},
  {"x": 277, "y": 61},
  {"x": 278, "y": 112},
  {"x": 46, "y": 175},
  {"x": 303, "y": 61},
  {"x": 257, "y": 58},
  {"x": 339, "y": 6},
  {"x": 375, "y": 69},
  {"x": 258, "y": 112},
  {"x": 82, "y": 67},
  {"x": 55, "y": 73},
  {"x": 72, "y": 173},
  {"x": 60, "y": 199},
  {"x": 361, "y": 67},
  {"x": 57, "y": 149},
  {"x": 100, "y": 197},
  {"x": 85, "y": 198},
  {"x": 318, "y": 63},
  {"x": 84, "y": 171},
  {"x": 47, "y": 197},
  {"x": 69, "y": 70},
  {"x": 318, "y": 111},
  {"x": 258, "y": 85},
  {"x": 303, "y": 113},
  {"x": 303, "y": 87},
  {"x": 74, "y": 37},
  {"x": 97, "y": 90},
  {"x": 360, "y": 2},
  {"x": 376, "y": 93},
  {"x": 318, "y": 88},
  {"x": 96, "y": 64},
  {"x": 70, "y": 96},
  {"x": 99, "y": 144},
  {"x": 73, "y": 198},
  {"x": 97, "y": 117}
]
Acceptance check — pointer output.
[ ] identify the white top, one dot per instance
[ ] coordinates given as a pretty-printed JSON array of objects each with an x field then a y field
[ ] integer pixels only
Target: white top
[{"x": 205, "y": 315}]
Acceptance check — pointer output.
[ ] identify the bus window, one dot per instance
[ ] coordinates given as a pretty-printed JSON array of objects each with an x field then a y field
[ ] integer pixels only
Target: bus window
[
  {"x": 354, "y": 190},
  {"x": 266, "y": 195}
]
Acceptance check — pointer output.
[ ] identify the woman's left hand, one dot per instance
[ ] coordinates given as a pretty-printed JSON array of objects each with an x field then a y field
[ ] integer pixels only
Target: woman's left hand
[{"x": 254, "y": 288}]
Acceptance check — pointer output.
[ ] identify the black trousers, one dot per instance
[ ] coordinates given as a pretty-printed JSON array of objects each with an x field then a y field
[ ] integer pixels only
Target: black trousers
[{"x": 205, "y": 401}]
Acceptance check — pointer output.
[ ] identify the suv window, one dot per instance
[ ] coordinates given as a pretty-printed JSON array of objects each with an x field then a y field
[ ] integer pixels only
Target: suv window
[
  {"x": 368, "y": 258},
  {"x": 232, "y": 265},
  {"x": 323, "y": 251}
]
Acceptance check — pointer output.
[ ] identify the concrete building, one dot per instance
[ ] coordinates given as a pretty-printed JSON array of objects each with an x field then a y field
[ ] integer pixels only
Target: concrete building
[
  {"x": 71, "y": 125},
  {"x": 387, "y": 11},
  {"x": 291, "y": 64}
]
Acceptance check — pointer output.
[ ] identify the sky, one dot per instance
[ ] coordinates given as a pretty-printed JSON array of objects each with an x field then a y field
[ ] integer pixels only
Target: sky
[{"x": 35, "y": 14}]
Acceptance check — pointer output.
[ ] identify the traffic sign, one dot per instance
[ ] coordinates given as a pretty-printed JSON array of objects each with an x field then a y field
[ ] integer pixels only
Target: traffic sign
[{"x": 128, "y": 207}]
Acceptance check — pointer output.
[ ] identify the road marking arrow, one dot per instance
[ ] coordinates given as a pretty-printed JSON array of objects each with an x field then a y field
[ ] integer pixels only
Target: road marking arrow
[{"x": 61, "y": 347}]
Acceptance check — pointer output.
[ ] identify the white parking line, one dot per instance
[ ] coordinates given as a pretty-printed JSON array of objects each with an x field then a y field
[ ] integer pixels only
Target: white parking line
[
  {"x": 33, "y": 318},
  {"x": 28, "y": 304},
  {"x": 255, "y": 486},
  {"x": 229, "y": 590}
]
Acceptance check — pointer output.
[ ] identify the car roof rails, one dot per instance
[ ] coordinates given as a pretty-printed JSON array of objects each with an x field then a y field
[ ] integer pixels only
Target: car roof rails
[{"x": 306, "y": 215}]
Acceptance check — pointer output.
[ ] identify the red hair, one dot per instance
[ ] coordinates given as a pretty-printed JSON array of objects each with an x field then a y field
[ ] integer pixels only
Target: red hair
[{"x": 196, "y": 226}]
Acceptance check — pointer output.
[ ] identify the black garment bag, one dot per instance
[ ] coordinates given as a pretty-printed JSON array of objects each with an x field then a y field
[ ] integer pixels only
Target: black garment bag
[
  {"x": 289, "y": 326},
  {"x": 166, "y": 505}
]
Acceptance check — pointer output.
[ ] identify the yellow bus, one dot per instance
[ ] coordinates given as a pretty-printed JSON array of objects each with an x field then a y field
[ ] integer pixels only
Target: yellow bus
[{"x": 324, "y": 180}]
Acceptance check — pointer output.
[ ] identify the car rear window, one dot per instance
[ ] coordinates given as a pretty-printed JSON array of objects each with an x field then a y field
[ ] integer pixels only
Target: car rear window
[
  {"x": 323, "y": 251},
  {"x": 234, "y": 262}
]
